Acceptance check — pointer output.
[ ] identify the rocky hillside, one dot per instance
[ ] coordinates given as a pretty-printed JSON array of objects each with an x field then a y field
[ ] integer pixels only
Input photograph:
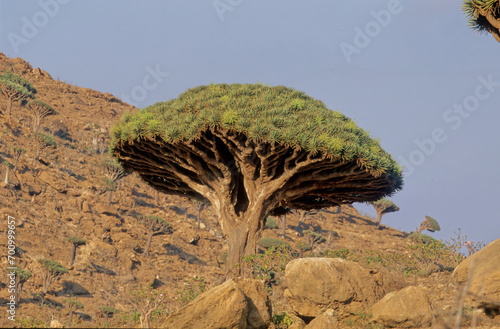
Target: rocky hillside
[{"x": 62, "y": 193}]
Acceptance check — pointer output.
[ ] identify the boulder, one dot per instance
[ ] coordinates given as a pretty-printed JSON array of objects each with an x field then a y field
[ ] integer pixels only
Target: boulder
[
  {"x": 259, "y": 304},
  {"x": 326, "y": 320},
  {"x": 315, "y": 285},
  {"x": 239, "y": 303},
  {"x": 406, "y": 308},
  {"x": 485, "y": 281}
]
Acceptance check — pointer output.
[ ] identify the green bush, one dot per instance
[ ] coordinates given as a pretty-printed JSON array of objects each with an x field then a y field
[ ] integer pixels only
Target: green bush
[
  {"x": 271, "y": 223},
  {"x": 420, "y": 237},
  {"x": 271, "y": 242}
]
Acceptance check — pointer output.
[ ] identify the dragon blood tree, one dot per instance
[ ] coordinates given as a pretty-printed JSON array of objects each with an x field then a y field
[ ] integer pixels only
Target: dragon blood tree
[
  {"x": 253, "y": 150},
  {"x": 483, "y": 16},
  {"x": 382, "y": 207}
]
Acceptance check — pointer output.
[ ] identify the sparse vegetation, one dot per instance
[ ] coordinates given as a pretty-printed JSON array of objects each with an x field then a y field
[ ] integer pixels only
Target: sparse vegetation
[
  {"x": 155, "y": 226},
  {"x": 72, "y": 304},
  {"x": 147, "y": 301},
  {"x": 113, "y": 172},
  {"x": 51, "y": 270}
]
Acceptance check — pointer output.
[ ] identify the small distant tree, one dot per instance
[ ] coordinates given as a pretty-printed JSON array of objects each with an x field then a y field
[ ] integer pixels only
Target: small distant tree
[
  {"x": 72, "y": 304},
  {"x": 15, "y": 88},
  {"x": 148, "y": 301},
  {"x": 51, "y": 271},
  {"x": 39, "y": 110},
  {"x": 484, "y": 16},
  {"x": 303, "y": 214},
  {"x": 382, "y": 207},
  {"x": 200, "y": 206},
  {"x": 155, "y": 226},
  {"x": 313, "y": 238},
  {"x": 429, "y": 224},
  {"x": 113, "y": 171},
  {"x": 21, "y": 277},
  {"x": 107, "y": 311},
  {"x": 271, "y": 223},
  {"x": 7, "y": 166},
  {"x": 76, "y": 241},
  {"x": 17, "y": 155},
  {"x": 42, "y": 141}
]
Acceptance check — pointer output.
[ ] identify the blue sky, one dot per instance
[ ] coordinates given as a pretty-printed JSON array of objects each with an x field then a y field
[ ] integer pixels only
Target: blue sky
[{"x": 410, "y": 72}]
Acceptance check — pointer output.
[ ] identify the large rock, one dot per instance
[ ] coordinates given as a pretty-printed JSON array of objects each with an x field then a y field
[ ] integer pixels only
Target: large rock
[
  {"x": 318, "y": 284},
  {"x": 406, "y": 308},
  {"x": 326, "y": 320},
  {"x": 234, "y": 304},
  {"x": 485, "y": 269}
]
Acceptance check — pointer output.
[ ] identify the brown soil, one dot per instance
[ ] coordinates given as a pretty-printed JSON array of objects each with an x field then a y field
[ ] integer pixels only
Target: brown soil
[{"x": 62, "y": 195}]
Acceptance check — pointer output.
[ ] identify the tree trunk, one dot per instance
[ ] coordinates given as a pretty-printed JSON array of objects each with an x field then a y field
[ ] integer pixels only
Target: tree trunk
[
  {"x": 284, "y": 225},
  {"x": 198, "y": 219},
  {"x": 73, "y": 255},
  {"x": 110, "y": 196},
  {"x": 148, "y": 244},
  {"x": 7, "y": 175},
  {"x": 9, "y": 106},
  {"x": 379, "y": 217}
]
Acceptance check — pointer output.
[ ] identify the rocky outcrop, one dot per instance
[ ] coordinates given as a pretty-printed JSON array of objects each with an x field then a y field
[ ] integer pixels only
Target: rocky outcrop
[
  {"x": 484, "y": 269},
  {"x": 240, "y": 303},
  {"x": 406, "y": 308},
  {"x": 318, "y": 284}
]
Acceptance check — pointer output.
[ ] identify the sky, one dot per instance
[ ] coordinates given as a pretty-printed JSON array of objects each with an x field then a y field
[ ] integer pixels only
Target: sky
[{"x": 411, "y": 73}]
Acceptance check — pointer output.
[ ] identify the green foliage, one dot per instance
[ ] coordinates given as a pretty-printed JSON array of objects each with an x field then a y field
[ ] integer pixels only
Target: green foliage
[
  {"x": 383, "y": 203},
  {"x": 109, "y": 184},
  {"x": 262, "y": 113},
  {"x": 192, "y": 289},
  {"x": 282, "y": 320},
  {"x": 53, "y": 266},
  {"x": 15, "y": 86},
  {"x": 6, "y": 163},
  {"x": 31, "y": 322},
  {"x": 475, "y": 10},
  {"x": 271, "y": 223},
  {"x": 108, "y": 310},
  {"x": 17, "y": 79},
  {"x": 344, "y": 253},
  {"x": 271, "y": 242},
  {"x": 303, "y": 246},
  {"x": 22, "y": 275},
  {"x": 76, "y": 240},
  {"x": 46, "y": 139},
  {"x": 430, "y": 224},
  {"x": 73, "y": 303},
  {"x": 268, "y": 266},
  {"x": 314, "y": 237},
  {"x": 420, "y": 237},
  {"x": 36, "y": 103},
  {"x": 156, "y": 223}
]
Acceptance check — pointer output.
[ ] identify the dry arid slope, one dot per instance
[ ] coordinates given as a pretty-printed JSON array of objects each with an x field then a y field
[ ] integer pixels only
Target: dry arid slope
[{"x": 63, "y": 194}]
